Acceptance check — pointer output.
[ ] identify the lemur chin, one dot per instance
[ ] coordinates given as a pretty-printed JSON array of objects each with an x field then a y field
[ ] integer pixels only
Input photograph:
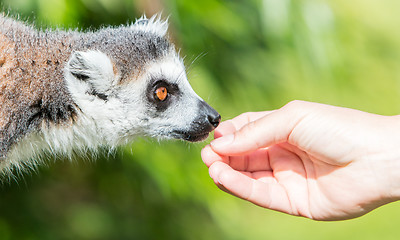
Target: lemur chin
[{"x": 68, "y": 91}]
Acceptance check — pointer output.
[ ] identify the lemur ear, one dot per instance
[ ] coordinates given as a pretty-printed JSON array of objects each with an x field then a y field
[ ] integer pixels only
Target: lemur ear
[
  {"x": 153, "y": 25},
  {"x": 93, "y": 67},
  {"x": 142, "y": 21}
]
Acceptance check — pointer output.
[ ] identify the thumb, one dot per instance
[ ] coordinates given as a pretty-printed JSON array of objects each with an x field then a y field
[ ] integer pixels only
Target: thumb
[{"x": 271, "y": 129}]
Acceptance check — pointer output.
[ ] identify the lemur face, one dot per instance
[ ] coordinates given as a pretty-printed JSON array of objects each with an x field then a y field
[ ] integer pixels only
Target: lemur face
[
  {"x": 172, "y": 108},
  {"x": 141, "y": 91}
]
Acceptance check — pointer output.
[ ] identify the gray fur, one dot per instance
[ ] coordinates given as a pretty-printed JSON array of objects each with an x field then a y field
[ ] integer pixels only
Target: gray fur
[{"x": 32, "y": 90}]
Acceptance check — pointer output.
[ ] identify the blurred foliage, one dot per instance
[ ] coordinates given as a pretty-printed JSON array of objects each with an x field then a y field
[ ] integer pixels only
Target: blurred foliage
[{"x": 241, "y": 56}]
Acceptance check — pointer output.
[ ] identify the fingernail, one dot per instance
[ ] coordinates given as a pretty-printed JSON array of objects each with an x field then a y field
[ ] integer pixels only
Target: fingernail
[
  {"x": 222, "y": 141},
  {"x": 219, "y": 182}
]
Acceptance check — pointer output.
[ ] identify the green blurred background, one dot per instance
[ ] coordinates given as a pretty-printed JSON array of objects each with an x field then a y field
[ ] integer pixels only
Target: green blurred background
[{"x": 248, "y": 55}]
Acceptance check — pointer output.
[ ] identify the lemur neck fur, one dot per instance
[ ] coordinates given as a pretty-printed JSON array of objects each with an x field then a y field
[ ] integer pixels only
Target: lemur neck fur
[{"x": 33, "y": 94}]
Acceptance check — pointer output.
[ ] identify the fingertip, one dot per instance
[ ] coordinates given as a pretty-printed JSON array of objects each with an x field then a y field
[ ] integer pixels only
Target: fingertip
[
  {"x": 204, "y": 151},
  {"x": 224, "y": 128},
  {"x": 229, "y": 180},
  {"x": 215, "y": 170},
  {"x": 206, "y": 155},
  {"x": 217, "y": 134},
  {"x": 209, "y": 156},
  {"x": 227, "y": 176}
]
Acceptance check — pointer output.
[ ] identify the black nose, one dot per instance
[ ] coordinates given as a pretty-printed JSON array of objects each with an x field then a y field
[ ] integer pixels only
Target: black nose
[
  {"x": 214, "y": 120},
  {"x": 213, "y": 116}
]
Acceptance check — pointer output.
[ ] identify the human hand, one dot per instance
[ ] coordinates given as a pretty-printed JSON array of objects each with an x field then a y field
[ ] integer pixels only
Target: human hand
[{"x": 308, "y": 159}]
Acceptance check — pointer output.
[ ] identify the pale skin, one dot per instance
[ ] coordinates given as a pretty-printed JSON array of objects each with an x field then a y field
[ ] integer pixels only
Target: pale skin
[{"x": 307, "y": 159}]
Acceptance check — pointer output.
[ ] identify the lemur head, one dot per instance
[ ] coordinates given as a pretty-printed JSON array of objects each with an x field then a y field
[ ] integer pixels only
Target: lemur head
[{"x": 129, "y": 81}]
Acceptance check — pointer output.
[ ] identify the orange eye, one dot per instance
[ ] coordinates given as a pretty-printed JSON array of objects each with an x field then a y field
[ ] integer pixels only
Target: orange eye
[{"x": 161, "y": 93}]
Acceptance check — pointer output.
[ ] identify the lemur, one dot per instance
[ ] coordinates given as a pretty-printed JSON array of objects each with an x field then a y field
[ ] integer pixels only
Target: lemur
[{"x": 66, "y": 91}]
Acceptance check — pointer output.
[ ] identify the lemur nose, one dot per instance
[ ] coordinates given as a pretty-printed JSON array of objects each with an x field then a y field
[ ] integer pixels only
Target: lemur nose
[
  {"x": 213, "y": 116},
  {"x": 214, "y": 120}
]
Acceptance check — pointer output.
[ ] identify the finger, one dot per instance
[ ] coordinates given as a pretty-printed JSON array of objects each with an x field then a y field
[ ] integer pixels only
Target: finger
[
  {"x": 247, "y": 117},
  {"x": 255, "y": 161},
  {"x": 232, "y": 125},
  {"x": 221, "y": 187},
  {"x": 224, "y": 175},
  {"x": 266, "y": 193},
  {"x": 224, "y": 128},
  {"x": 272, "y": 128},
  {"x": 209, "y": 156}
]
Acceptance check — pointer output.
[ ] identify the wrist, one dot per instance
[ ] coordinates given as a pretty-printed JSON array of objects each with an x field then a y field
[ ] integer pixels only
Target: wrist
[
  {"x": 392, "y": 169},
  {"x": 389, "y": 164}
]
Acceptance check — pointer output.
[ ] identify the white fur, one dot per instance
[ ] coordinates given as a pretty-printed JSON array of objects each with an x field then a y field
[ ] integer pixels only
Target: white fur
[
  {"x": 97, "y": 65},
  {"x": 53, "y": 139},
  {"x": 155, "y": 25}
]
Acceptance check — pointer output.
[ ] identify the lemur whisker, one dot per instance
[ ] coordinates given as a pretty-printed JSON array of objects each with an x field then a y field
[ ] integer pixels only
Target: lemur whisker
[{"x": 191, "y": 64}]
